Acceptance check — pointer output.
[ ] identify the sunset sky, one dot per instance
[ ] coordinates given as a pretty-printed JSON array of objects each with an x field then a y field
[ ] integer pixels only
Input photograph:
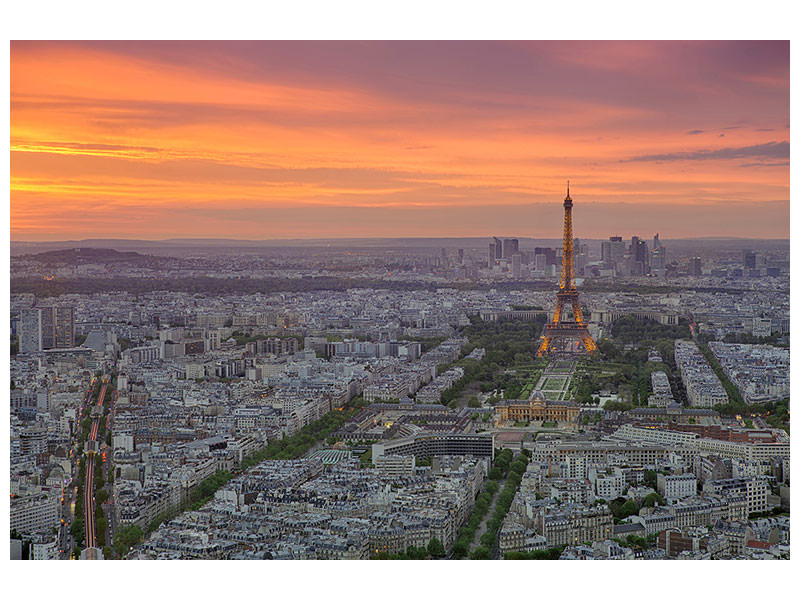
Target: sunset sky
[{"x": 260, "y": 140}]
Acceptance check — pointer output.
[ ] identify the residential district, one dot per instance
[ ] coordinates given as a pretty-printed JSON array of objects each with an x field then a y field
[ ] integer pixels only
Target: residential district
[{"x": 370, "y": 403}]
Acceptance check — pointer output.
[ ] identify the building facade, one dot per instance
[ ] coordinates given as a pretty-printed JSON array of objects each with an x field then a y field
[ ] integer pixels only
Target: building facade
[{"x": 538, "y": 408}]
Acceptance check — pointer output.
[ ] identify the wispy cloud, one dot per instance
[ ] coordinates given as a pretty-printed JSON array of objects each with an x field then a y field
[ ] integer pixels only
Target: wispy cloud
[
  {"x": 766, "y": 164},
  {"x": 137, "y": 132},
  {"x": 768, "y": 150}
]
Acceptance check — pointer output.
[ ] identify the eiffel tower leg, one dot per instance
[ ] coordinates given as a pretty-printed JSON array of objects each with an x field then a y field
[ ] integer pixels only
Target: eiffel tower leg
[
  {"x": 558, "y": 311},
  {"x": 543, "y": 347},
  {"x": 588, "y": 343},
  {"x": 576, "y": 310}
]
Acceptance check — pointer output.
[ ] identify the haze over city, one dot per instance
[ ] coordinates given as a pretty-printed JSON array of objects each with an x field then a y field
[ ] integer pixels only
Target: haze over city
[{"x": 257, "y": 140}]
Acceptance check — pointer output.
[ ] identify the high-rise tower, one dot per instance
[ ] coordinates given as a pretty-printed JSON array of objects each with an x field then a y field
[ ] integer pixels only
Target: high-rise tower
[{"x": 562, "y": 334}]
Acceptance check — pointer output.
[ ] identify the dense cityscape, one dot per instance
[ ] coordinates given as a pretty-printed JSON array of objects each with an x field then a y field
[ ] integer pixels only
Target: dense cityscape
[{"x": 389, "y": 404}]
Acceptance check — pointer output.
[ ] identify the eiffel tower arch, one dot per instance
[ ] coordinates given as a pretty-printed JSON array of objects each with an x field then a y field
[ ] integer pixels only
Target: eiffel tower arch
[{"x": 564, "y": 335}]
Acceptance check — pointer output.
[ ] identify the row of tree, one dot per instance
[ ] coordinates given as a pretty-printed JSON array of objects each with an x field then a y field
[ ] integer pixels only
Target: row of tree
[
  {"x": 301, "y": 442},
  {"x": 776, "y": 413},
  {"x": 466, "y": 534},
  {"x": 749, "y": 338},
  {"x": 629, "y": 329},
  {"x": 435, "y": 549},
  {"x": 201, "y": 285},
  {"x": 288, "y": 448},
  {"x": 549, "y": 554},
  {"x": 733, "y": 392},
  {"x": 205, "y": 490},
  {"x": 503, "y": 504}
]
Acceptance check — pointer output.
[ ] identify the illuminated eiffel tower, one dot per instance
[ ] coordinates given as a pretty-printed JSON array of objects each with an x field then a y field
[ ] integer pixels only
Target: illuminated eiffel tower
[{"x": 563, "y": 335}]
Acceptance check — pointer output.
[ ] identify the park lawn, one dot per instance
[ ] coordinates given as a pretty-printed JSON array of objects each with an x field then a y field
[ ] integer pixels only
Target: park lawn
[{"x": 553, "y": 384}]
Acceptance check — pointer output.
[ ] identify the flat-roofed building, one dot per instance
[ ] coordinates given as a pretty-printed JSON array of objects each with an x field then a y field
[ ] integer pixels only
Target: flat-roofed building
[
  {"x": 677, "y": 486},
  {"x": 755, "y": 489},
  {"x": 452, "y": 444},
  {"x": 35, "y": 512}
]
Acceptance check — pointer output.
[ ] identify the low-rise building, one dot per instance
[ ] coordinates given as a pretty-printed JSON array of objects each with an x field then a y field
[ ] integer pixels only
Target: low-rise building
[{"x": 675, "y": 487}]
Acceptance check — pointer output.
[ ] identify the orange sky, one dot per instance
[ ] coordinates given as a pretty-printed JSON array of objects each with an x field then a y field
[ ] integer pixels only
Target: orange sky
[{"x": 260, "y": 140}]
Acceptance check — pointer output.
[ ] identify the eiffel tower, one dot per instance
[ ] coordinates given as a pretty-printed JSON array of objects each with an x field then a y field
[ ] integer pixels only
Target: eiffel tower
[{"x": 563, "y": 335}]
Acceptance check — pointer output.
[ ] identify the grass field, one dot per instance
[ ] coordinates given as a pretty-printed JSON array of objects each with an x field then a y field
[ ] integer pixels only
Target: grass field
[
  {"x": 530, "y": 385},
  {"x": 552, "y": 384}
]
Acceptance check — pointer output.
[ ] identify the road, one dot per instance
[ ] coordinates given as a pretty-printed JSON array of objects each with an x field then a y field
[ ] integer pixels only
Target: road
[
  {"x": 476, "y": 541},
  {"x": 68, "y": 504},
  {"x": 89, "y": 501}
]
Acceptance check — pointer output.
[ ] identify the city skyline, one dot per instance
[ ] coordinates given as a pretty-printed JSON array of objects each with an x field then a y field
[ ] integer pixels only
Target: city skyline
[{"x": 258, "y": 140}]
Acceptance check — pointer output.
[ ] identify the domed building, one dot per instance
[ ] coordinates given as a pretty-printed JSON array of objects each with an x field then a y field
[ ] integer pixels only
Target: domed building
[{"x": 536, "y": 408}]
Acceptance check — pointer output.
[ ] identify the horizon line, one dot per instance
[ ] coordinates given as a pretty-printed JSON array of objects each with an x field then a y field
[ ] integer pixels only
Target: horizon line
[{"x": 405, "y": 237}]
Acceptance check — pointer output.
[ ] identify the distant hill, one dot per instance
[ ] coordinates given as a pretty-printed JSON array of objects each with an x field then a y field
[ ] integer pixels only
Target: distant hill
[{"x": 82, "y": 256}]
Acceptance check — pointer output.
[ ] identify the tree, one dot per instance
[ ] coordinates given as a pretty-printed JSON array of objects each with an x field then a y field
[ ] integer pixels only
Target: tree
[
  {"x": 650, "y": 478},
  {"x": 76, "y": 529},
  {"x": 101, "y": 526},
  {"x": 460, "y": 549},
  {"x": 518, "y": 467},
  {"x": 436, "y": 548},
  {"x": 653, "y": 499},
  {"x": 480, "y": 553},
  {"x": 551, "y": 554},
  {"x": 125, "y": 537},
  {"x": 629, "y": 508}
]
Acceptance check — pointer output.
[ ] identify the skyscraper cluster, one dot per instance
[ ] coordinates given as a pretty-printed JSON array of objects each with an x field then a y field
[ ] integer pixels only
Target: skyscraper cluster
[
  {"x": 507, "y": 251},
  {"x": 541, "y": 262},
  {"x": 500, "y": 249},
  {"x": 635, "y": 258}
]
